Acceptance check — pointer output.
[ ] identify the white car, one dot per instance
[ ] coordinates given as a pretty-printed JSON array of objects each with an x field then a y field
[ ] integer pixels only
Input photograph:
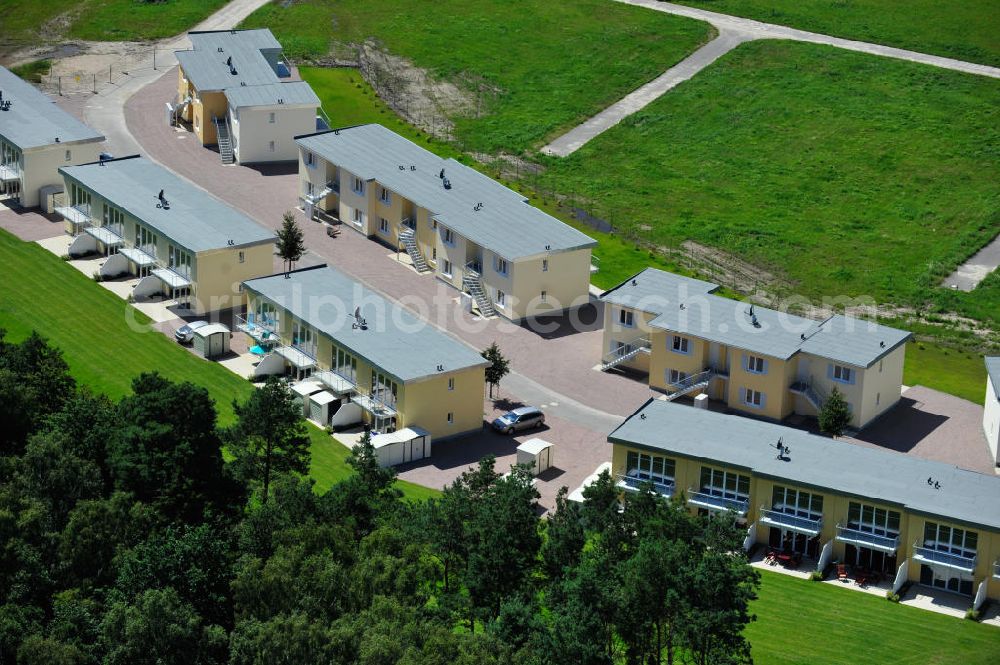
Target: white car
[{"x": 185, "y": 333}]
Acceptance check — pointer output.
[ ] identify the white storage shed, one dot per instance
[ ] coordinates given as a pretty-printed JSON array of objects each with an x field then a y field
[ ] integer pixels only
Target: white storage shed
[
  {"x": 537, "y": 453},
  {"x": 211, "y": 341},
  {"x": 404, "y": 445},
  {"x": 302, "y": 390}
]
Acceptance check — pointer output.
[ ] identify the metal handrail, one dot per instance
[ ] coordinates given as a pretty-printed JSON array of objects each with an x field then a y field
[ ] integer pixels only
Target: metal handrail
[
  {"x": 858, "y": 535},
  {"x": 738, "y": 505},
  {"x": 791, "y": 520},
  {"x": 949, "y": 559},
  {"x": 635, "y": 483},
  {"x": 640, "y": 343},
  {"x": 474, "y": 267},
  {"x": 693, "y": 380}
]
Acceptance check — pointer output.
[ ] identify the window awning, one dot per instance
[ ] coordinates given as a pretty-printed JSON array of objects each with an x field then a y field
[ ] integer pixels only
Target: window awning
[
  {"x": 137, "y": 256},
  {"x": 104, "y": 235},
  {"x": 172, "y": 279},
  {"x": 297, "y": 358}
]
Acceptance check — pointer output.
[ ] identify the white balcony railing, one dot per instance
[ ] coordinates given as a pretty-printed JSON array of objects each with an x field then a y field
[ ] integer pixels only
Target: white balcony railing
[
  {"x": 797, "y": 523},
  {"x": 929, "y": 555},
  {"x": 854, "y": 536},
  {"x": 717, "y": 502},
  {"x": 635, "y": 482}
]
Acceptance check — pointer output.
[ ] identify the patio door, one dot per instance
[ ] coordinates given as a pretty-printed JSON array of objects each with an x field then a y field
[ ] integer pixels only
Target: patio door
[
  {"x": 945, "y": 579},
  {"x": 869, "y": 559},
  {"x": 787, "y": 540}
]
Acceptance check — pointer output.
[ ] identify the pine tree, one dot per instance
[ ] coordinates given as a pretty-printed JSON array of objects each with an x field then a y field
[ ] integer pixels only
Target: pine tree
[
  {"x": 835, "y": 414},
  {"x": 291, "y": 244}
]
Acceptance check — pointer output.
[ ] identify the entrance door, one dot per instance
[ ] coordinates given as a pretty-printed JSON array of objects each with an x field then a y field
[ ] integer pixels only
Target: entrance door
[{"x": 946, "y": 580}]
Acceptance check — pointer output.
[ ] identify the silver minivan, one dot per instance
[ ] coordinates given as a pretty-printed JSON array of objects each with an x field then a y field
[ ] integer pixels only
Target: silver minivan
[{"x": 521, "y": 418}]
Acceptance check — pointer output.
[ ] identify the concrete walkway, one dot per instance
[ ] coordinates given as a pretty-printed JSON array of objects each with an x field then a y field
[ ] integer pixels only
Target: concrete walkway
[
  {"x": 968, "y": 275},
  {"x": 733, "y": 31},
  {"x": 574, "y": 139}
]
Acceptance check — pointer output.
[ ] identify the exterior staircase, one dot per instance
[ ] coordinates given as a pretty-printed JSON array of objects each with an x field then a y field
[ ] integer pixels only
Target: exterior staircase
[
  {"x": 409, "y": 239},
  {"x": 472, "y": 282},
  {"x": 225, "y": 140},
  {"x": 812, "y": 394},
  {"x": 625, "y": 353},
  {"x": 690, "y": 384}
]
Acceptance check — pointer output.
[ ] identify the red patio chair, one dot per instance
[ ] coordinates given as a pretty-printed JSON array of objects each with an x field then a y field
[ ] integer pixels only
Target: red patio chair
[{"x": 841, "y": 571}]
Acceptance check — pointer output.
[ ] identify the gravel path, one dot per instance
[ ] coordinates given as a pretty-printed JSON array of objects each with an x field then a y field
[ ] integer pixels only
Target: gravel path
[{"x": 733, "y": 31}]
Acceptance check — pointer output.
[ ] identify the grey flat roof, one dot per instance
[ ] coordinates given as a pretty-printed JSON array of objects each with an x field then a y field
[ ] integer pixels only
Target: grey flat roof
[
  {"x": 505, "y": 224},
  {"x": 290, "y": 93},
  {"x": 689, "y": 306},
  {"x": 206, "y": 67},
  {"x": 34, "y": 120},
  {"x": 814, "y": 461},
  {"x": 396, "y": 340},
  {"x": 993, "y": 371},
  {"x": 195, "y": 220}
]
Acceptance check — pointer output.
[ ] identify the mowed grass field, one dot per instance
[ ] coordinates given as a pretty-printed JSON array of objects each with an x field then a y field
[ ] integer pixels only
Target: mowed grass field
[
  {"x": 965, "y": 30},
  {"x": 843, "y": 173},
  {"x": 943, "y": 368},
  {"x": 26, "y": 23},
  {"x": 532, "y": 67},
  {"x": 805, "y": 623},
  {"x": 38, "y": 291}
]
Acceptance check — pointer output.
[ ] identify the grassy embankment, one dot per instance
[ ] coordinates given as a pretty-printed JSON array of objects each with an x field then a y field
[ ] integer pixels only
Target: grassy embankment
[{"x": 40, "y": 292}]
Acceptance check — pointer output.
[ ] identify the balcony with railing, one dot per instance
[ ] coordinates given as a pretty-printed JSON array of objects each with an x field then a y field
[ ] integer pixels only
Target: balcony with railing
[
  {"x": 298, "y": 357},
  {"x": 105, "y": 235},
  {"x": 634, "y": 482},
  {"x": 874, "y": 541},
  {"x": 935, "y": 557},
  {"x": 78, "y": 215},
  {"x": 336, "y": 381},
  {"x": 712, "y": 501},
  {"x": 996, "y": 569},
  {"x": 9, "y": 172},
  {"x": 626, "y": 352},
  {"x": 331, "y": 187},
  {"x": 263, "y": 329},
  {"x": 374, "y": 405},
  {"x": 782, "y": 520}
]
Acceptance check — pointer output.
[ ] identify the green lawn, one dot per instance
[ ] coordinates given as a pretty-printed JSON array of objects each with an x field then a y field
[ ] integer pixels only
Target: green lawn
[
  {"x": 28, "y": 22},
  {"x": 844, "y": 173},
  {"x": 966, "y": 30},
  {"x": 803, "y": 623},
  {"x": 544, "y": 66},
  {"x": 956, "y": 372},
  {"x": 104, "y": 351}
]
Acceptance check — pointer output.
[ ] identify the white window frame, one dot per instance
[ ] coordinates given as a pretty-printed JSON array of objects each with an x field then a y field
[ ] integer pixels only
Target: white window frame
[
  {"x": 501, "y": 299},
  {"x": 271, "y": 146},
  {"x": 271, "y": 118},
  {"x": 626, "y": 318},
  {"x": 446, "y": 268},
  {"x": 383, "y": 225},
  {"x": 310, "y": 159},
  {"x": 358, "y": 217},
  {"x": 846, "y": 374},
  {"x": 451, "y": 418},
  {"x": 756, "y": 365},
  {"x": 501, "y": 266},
  {"x": 242, "y": 256},
  {"x": 451, "y": 383},
  {"x": 544, "y": 296},
  {"x": 385, "y": 196},
  {"x": 545, "y": 265},
  {"x": 754, "y": 398},
  {"x": 69, "y": 155},
  {"x": 675, "y": 376},
  {"x": 448, "y": 237},
  {"x": 681, "y": 345},
  {"x": 358, "y": 186}
]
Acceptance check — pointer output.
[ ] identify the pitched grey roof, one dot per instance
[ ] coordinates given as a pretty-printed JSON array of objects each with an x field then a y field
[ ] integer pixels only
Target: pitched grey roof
[
  {"x": 505, "y": 224},
  {"x": 34, "y": 120},
  {"x": 396, "y": 340},
  {"x": 254, "y": 55},
  {"x": 195, "y": 219},
  {"x": 993, "y": 371},
  {"x": 688, "y": 306},
  {"x": 815, "y": 461},
  {"x": 290, "y": 93}
]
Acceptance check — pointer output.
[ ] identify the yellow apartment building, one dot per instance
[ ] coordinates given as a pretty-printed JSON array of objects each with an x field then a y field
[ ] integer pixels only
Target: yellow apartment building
[
  {"x": 757, "y": 360},
  {"x": 908, "y": 519},
  {"x": 183, "y": 244},
  {"x": 36, "y": 138},
  {"x": 367, "y": 351},
  {"x": 468, "y": 230},
  {"x": 235, "y": 90}
]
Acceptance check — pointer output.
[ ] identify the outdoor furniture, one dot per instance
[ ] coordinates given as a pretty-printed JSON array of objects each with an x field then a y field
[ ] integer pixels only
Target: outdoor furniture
[
  {"x": 258, "y": 350},
  {"x": 861, "y": 579},
  {"x": 332, "y": 231},
  {"x": 841, "y": 571}
]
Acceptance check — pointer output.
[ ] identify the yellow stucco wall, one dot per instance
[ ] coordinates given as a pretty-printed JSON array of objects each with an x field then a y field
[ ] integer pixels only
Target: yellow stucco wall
[
  {"x": 427, "y": 403},
  {"x": 204, "y": 106},
  {"x": 217, "y": 275},
  {"x": 563, "y": 276},
  {"x": 835, "y": 511}
]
